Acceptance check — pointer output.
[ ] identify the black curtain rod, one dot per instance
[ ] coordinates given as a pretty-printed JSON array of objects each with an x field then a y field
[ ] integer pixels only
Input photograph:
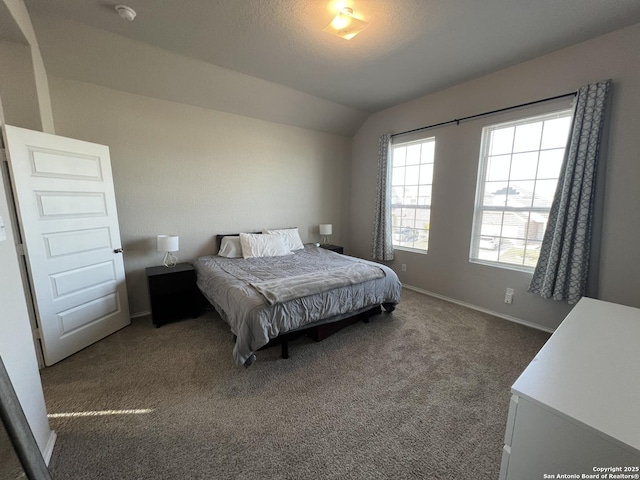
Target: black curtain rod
[{"x": 458, "y": 120}]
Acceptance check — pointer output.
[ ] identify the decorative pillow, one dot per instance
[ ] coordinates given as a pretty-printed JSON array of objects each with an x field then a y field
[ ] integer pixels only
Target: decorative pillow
[
  {"x": 258, "y": 245},
  {"x": 230, "y": 247},
  {"x": 290, "y": 236}
]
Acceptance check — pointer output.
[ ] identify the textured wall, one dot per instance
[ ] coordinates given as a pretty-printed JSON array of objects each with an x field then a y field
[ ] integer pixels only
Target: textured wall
[
  {"x": 20, "y": 102},
  {"x": 446, "y": 270},
  {"x": 17, "y": 23},
  {"x": 193, "y": 172}
]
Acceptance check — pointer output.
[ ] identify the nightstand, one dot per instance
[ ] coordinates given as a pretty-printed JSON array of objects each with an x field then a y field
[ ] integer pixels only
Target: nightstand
[
  {"x": 333, "y": 248},
  {"x": 173, "y": 293}
]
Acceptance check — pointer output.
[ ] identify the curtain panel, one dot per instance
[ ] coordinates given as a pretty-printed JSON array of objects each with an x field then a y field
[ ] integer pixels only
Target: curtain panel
[
  {"x": 382, "y": 242},
  {"x": 563, "y": 265}
]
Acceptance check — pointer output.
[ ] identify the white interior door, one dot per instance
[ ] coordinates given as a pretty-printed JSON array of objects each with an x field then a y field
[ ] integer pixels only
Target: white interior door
[{"x": 66, "y": 208}]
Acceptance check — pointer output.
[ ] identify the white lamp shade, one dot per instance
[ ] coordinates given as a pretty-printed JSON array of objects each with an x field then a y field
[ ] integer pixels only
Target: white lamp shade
[
  {"x": 168, "y": 243},
  {"x": 326, "y": 229}
]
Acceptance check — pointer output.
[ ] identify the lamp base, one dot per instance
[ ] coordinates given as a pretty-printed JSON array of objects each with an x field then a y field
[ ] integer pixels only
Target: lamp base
[{"x": 170, "y": 260}]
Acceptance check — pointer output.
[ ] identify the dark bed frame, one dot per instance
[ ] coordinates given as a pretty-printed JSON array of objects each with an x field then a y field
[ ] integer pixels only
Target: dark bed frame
[
  {"x": 320, "y": 332},
  {"x": 316, "y": 332}
]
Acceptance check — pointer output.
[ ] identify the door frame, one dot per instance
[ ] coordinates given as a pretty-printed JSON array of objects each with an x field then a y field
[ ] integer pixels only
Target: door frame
[{"x": 22, "y": 261}]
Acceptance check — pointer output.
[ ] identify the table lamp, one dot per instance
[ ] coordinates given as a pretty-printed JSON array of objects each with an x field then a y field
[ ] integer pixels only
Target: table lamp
[
  {"x": 168, "y": 244},
  {"x": 325, "y": 231}
]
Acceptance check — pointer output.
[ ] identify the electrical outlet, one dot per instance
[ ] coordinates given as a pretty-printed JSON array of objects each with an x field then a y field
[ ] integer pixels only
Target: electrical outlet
[
  {"x": 508, "y": 296},
  {"x": 404, "y": 267},
  {"x": 3, "y": 232}
]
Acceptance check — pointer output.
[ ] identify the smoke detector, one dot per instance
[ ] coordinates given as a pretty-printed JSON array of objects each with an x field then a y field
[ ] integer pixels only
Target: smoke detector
[{"x": 125, "y": 12}]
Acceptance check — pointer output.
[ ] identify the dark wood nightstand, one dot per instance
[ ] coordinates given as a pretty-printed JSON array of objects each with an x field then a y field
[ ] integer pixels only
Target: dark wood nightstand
[
  {"x": 173, "y": 293},
  {"x": 333, "y": 248}
]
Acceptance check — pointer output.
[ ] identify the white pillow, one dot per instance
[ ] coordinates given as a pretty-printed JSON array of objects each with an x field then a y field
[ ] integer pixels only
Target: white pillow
[
  {"x": 230, "y": 247},
  {"x": 290, "y": 236},
  {"x": 257, "y": 245}
]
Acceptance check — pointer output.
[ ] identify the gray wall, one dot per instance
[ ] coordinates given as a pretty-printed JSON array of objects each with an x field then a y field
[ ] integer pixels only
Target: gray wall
[
  {"x": 20, "y": 101},
  {"x": 193, "y": 172},
  {"x": 445, "y": 270}
]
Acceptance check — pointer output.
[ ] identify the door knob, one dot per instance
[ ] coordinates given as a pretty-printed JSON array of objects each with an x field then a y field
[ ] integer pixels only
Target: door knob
[{"x": 117, "y": 250}]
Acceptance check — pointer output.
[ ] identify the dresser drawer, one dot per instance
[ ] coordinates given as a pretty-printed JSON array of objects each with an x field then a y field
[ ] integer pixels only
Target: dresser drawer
[{"x": 175, "y": 282}]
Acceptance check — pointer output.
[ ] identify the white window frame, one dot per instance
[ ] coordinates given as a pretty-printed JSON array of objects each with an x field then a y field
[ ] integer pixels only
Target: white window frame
[
  {"x": 417, "y": 205},
  {"x": 480, "y": 208}
]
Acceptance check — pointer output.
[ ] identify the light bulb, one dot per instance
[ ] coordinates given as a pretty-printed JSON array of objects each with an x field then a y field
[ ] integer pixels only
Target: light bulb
[{"x": 341, "y": 21}]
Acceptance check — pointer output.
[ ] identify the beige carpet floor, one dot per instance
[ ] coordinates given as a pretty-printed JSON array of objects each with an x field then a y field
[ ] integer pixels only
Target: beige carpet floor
[{"x": 419, "y": 393}]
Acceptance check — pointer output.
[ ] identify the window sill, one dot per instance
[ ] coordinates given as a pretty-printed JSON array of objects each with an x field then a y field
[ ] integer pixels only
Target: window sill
[
  {"x": 409, "y": 249},
  {"x": 506, "y": 266}
]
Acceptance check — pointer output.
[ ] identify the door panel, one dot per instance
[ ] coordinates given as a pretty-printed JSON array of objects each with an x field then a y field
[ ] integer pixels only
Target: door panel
[{"x": 67, "y": 213}]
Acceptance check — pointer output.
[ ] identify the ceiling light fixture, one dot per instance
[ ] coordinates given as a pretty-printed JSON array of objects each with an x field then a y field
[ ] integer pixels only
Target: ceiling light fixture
[
  {"x": 125, "y": 12},
  {"x": 345, "y": 25}
]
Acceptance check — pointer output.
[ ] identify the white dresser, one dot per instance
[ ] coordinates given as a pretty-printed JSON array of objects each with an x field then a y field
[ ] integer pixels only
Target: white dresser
[{"x": 576, "y": 407}]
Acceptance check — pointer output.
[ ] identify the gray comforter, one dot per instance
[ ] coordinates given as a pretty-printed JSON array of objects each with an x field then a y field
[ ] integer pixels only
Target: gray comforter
[{"x": 227, "y": 284}]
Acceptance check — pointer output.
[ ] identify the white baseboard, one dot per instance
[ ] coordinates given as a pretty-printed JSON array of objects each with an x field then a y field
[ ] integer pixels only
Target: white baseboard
[
  {"x": 48, "y": 450},
  {"x": 480, "y": 309},
  {"x": 139, "y": 314}
]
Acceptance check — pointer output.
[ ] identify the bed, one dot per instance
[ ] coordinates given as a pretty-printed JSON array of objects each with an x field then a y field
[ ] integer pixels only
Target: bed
[{"x": 271, "y": 298}]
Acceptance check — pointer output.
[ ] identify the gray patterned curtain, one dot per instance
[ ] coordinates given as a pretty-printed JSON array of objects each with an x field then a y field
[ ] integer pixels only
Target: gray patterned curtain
[
  {"x": 382, "y": 244},
  {"x": 561, "y": 272}
]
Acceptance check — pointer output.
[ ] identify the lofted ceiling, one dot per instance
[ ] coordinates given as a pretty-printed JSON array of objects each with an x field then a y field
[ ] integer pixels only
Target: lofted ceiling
[
  {"x": 411, "y": 47},
  {"x": 9, "y": 30}
]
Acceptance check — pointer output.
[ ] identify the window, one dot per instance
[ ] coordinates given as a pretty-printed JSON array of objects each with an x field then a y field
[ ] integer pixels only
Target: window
[
  {"x": 519, "y": 167},
  {"x": 411, "y": 182}
]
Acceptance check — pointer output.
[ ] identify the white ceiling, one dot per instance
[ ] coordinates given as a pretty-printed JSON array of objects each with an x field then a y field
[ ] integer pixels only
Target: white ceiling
[{"x": 411, "y": 47}]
